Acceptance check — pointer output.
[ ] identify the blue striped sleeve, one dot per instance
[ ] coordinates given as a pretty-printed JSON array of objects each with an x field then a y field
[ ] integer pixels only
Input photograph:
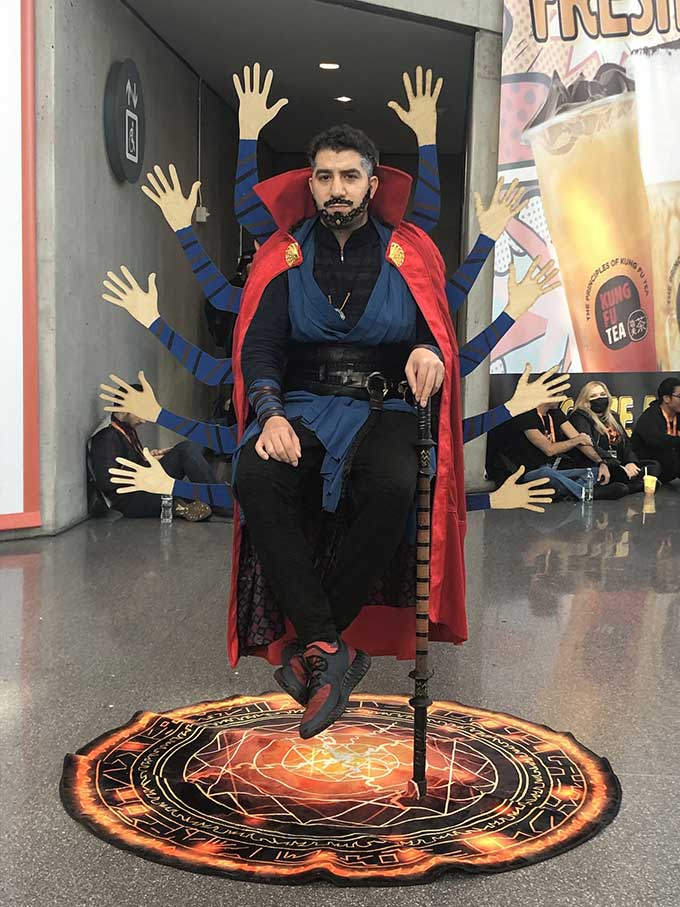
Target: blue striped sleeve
[
  {"x": 214, "y": 495},
  {"x": 427, "y": 201},
  {"x": 221, "y": 438},
  {"x": 475, "y": 351},
  {"x": 476, "y": 426},
  {"x": 214, "y": 285},
  {"x": 477, "y": 502},
  {"x": 206, "y": 368},
  {"x": 249, "y": 210},
  {"x": 460, "y": 284}
]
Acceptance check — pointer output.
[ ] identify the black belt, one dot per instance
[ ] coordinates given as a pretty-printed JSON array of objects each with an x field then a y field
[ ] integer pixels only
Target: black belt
[{"x": 347, "y": 369}]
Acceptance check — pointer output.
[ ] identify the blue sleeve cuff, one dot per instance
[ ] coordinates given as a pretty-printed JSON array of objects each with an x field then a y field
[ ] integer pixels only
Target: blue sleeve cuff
[{"x": 477, "y": 502}]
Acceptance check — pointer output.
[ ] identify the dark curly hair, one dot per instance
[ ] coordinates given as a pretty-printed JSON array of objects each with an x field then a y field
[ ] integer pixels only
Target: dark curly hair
[{"x": 345, "y": 138}]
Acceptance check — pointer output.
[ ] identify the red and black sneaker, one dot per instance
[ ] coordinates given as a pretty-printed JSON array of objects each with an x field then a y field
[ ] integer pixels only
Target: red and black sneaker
[
  {"x": 292, "y": 676},
  {"x": 333, "y": 674}
]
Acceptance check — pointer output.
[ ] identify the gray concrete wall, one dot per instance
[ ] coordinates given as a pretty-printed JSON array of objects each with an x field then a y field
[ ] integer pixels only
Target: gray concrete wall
[
  {"x": 89, "y": 223},
  {"x": 482, "y": 174}
]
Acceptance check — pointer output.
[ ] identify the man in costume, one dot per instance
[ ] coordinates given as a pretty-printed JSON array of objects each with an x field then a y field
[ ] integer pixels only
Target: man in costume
[{"x": 397, "y": 323}]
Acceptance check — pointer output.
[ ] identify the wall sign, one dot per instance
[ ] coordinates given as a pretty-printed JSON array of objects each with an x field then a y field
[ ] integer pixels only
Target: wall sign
[{"x": 124, "y": 121}]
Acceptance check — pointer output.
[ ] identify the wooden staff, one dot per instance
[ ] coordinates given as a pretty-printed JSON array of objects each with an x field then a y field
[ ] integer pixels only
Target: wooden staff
[{"x": 421, "y": 700}]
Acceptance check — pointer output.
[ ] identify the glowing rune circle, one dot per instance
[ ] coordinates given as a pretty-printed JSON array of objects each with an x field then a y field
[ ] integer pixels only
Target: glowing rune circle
[{"x": 229, "y": 788}]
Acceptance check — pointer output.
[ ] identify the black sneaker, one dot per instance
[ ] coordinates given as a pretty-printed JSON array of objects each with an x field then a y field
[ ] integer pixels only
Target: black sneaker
[
  {"x": 333, "y": 674},
  {"x": 292, "y": 676}
]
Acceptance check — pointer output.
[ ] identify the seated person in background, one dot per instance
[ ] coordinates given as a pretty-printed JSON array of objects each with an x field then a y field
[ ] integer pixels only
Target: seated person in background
[
  {"x": 592, "y": 415},
  {"x": 117, "y": 437},
  {"x": 534, "y": 439},
  {"x": 657, "y": 432}
]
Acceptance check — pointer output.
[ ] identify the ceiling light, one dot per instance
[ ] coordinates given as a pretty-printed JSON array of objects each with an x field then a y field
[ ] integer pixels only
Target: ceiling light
[
  {"x": 329, "y": 66},
  {"x": 344, "y": 99}
]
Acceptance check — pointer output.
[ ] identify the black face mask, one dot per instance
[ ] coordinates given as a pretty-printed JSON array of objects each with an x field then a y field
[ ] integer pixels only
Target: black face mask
[
  {"x": 599, "y": 405},
  {"x": 337, "y": 220}
]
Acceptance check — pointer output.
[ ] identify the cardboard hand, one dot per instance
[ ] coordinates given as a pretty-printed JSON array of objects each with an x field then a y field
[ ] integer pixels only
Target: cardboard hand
[
  {"x": 548, "y": 388},
  {"x": 253, "y": 113},
  {"x": 421, "y": 115},
  {"x": 141, "y": 304},
  {"x": 126, "y": 399},
  {"x": 511, "y": 496},
  {"x": 152, "y": 479},
  {"x": 177, "y": 210},
  {"x": 494, "y": 219},
  {"x": 524, "y": 293}
]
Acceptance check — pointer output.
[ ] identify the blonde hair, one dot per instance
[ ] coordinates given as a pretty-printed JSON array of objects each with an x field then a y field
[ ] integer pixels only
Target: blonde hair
[{"x": 607, "y": 420}]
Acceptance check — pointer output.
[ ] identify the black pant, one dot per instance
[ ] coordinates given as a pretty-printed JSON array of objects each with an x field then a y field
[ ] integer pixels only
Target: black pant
[
  {"x": 382, "y": 483},
  {"x": 185, "y": 460},
  {"x": 670, "y": 465},
  {"x": 635, "y": 485}
]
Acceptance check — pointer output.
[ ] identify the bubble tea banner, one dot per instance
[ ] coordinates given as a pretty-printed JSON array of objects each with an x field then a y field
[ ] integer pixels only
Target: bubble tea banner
[{"x": 589, "y": 125}]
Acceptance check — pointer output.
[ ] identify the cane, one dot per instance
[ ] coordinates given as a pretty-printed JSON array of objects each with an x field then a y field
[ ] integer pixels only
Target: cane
[{"x": 421, "y": 700}]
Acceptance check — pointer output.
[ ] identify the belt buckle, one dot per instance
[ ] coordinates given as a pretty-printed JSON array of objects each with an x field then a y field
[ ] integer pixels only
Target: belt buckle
[{"x": 376, "y": 385}]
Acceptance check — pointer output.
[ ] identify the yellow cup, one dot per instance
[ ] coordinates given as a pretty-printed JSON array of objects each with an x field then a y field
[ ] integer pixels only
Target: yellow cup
[{"x": 650, "y": 484}]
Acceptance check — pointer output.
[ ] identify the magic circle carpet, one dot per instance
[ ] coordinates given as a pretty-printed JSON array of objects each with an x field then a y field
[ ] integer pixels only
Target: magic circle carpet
[{"x": 228, "y": 788}]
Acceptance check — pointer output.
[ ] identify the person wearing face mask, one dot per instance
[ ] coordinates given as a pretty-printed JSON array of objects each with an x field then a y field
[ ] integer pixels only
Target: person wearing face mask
[{"x": 592, "y": 415}]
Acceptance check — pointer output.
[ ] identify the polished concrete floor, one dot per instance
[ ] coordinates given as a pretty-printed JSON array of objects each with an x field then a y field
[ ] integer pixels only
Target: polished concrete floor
[{"x": 574, "y": 623}]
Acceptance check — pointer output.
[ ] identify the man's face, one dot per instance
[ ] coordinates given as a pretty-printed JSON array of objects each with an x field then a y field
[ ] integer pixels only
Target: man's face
[
  {"x": 129, "y": 419},
  {"x": 673, "y": 400},
  {"x": 340, "y": 184}
]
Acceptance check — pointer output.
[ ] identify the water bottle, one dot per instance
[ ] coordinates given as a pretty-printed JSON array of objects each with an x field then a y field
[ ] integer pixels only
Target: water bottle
[
  {"x": 166, "y": 509},
  {"x": 588, "y": 487}
]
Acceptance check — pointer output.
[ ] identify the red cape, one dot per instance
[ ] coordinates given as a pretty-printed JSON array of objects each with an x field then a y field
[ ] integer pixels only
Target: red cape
[{"x": 379, "y": 630}]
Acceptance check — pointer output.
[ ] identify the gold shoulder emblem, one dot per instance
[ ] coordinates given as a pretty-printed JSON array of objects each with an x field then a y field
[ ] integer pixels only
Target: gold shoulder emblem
[
  {"x": 396, "y": 254},
  {"x": 292, "y": 254}
]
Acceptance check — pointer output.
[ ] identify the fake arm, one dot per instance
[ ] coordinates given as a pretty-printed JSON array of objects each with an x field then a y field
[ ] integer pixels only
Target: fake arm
[
  {"x": 214, "y": 285},
  {"x": 207, "y": 369},
  {"x": 250, "y": 212},
  {"x": 522, "y": 294},
  {"x": 220, "y": 438},
  {"x": 253, "y": 116},
  {"x": 476, "y": 350},
  {"x": 142, "y": 304},
  {"x": 458, "y": 286},
  {"x": 153, "y": 479},
  {"x": 548, "y": 388},
  {"x": 427, "y": 201},
  {"x": 514, "y": 496},
  {"x": 122, "y": 397}
]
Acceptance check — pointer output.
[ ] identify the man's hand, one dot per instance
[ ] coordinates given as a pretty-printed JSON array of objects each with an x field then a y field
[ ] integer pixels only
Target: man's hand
[
  {"x": 152, "y": 478},
  {"x": 126, "y": 399},
  {"x": 603, "y": 475},
  {"x": 421, "y": 115},
  {"x": 159, "y": 454},
  {"x": 253, "y": 113},
  {"x": 494, "y": 219},
  {"x": 524, "y": 293},
  {"x": 424, "y": 373},
  {"x": 545, "y": 389},
  {"x": 141, "y": 304},
  {"x": 279, "y": 441},
  {"x": 177, "y": 210},
  {"x": 512, "y": 496},
  {"x": 632, "y": 470}
]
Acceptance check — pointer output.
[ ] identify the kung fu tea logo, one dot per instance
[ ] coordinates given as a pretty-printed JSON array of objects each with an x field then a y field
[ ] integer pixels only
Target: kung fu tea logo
[{"x": 603, "y": 18}]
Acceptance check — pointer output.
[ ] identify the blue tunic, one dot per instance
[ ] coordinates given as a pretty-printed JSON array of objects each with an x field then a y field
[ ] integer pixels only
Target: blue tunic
[{"x": 389, "y": 318}]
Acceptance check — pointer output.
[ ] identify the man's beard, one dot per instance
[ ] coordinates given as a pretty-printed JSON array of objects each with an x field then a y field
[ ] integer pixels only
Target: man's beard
[{"x": 338, "y": 220}]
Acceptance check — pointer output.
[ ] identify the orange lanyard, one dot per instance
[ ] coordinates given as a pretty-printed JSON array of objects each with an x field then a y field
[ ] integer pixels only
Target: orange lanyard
[
  {"x": 130, "y": 436},
  {"x": 549, "y": 434},
  {"x": 671, "y": 425}
]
